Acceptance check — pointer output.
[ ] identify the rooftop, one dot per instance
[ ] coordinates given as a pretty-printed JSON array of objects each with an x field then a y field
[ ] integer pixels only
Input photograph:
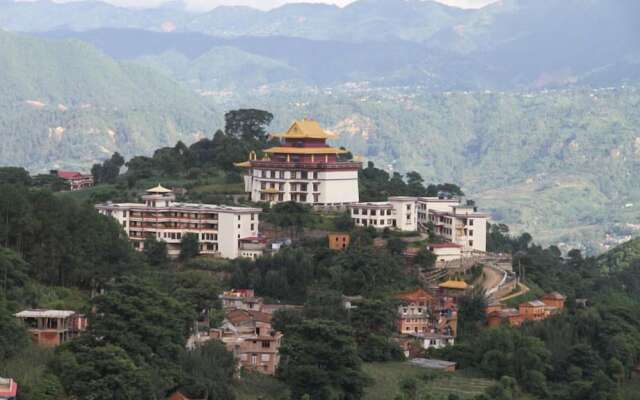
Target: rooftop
[
  {"x": 239, "y": 316},
  {"x": 70, "y": 174},
  {"x": 554, "y": 296},
  {"x": 159, "y": 190},
  {"x": 444, "y": 245},
  {"x": 451, "y": 284},
  {"x": 432, "y": 363},
  {"x": 533, "y": 303},
  {"x": 181, "y": 206},
  {"x": 418, "y": 294},
  {"x": 45, "y": 314},
  {"x": 304, "y": 129},
  {"x": 305, "y": 150}
]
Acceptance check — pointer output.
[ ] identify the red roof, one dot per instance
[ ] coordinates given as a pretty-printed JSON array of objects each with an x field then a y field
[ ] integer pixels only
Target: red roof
[
  {"x": 444, "y": 245},
  {"x": 415, "y": 295},
  {"x": 238, "y": 316},
  {"x": 69, "y": 174}
]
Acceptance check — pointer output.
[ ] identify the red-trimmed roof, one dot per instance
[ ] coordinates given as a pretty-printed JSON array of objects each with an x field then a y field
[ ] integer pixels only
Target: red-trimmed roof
[
  {"x": 238, "y": 316},
  {"x": 554, "y": 296},
  {"x": 444, "y": 245},
  {"x": 69, "y": 174},
  {"x": 415, "y": 295}
]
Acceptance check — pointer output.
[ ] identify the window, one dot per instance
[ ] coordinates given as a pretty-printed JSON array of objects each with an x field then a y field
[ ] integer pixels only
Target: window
[
  {"x": 266, "y": 344},
  {"x": 470, "y": 232},
  {"x": 373, "y": 212},
  {"x": 244, "y": 357},
  {"x": 264, "y": 357},
  {"x": 356, "y": 211},
  {"x": 470, "y": 222},
  {"x": 253, "y": 217},
  {"x": 238, "y": 218},
  {"x": 252, "y": 227},
  {"x": 471, "y": 243}
]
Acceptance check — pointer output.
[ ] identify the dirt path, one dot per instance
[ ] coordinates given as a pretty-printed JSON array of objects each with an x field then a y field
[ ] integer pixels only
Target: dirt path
[
  {"x": 492, "y": 278},
  {"x": 523, "y": 290}
]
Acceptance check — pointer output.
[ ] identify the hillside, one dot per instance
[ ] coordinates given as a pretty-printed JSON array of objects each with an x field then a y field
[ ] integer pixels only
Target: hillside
[
  {"x": 559, "y": 164},
  {"x": 66, "y": 104},
  {"x": 620, "y": 257}
]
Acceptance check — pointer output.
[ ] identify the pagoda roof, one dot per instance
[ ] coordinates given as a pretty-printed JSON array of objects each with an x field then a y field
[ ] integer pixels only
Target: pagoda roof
[
  {"x": 159, "y": 189},
  {"x": 304, "y": 129},
  {"x": 305, "y": 150}
]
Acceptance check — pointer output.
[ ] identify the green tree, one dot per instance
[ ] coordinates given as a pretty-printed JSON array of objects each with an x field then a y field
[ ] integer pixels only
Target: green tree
[
  {"x": 247, "y": 124},
  {"x": 208, "y": 371},
  {"x": 425, "y": 259},
  {"x": 14, "y": 176},
  {"x": 95, "y": 369},
  {"x": 155, "y": 251},
  {"x": 396, "y": 245},
  {"x": 343, "y": 222},
  {"x": 189, "y": 246},
  {"x": 147, "y": 323},
  {"x": 319, "y": 358}
]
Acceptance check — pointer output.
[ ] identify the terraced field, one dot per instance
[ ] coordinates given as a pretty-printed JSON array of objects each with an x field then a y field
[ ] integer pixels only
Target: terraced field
[{"x": 439, "y": 385}]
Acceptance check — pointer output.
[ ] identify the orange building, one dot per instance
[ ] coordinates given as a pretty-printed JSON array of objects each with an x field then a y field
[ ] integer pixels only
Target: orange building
[
  {"x": 413, "y": 312},
  {"x": 554, "y": 299},
  {"x": 339, "y": 241},
  {"x": 510, "y": 316},
  {"x": 533, "y": 310}
]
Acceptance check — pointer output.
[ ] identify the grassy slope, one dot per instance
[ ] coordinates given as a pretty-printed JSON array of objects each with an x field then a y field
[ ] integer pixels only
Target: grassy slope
[{"x": 386, "y": 377}]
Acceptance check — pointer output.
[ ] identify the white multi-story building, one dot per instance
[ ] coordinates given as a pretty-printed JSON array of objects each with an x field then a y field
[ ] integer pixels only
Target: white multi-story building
[
  {"x": 302, "y": 169},
  {"x": 220, "y": 229},
  {"x": 396, "y": 213},
  {"x": 462, "y": 225},
  {"x": 459, "y": 224}
]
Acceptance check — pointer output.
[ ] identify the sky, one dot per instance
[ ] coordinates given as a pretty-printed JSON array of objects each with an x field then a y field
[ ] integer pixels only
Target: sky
[{"x": 268, "y": 4}]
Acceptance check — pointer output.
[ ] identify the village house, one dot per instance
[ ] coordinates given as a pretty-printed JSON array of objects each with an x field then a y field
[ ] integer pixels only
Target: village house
[
  {"x": 51, "y": 328},
  {"x": 241, "y": 299},
  {"x": 250, "y": 337},
  {"x": 339, "y": 241},
  {"x": 435, "y": 340},
  {"x": 303, "y": 168},
  {"x": 535, "y": 310},
  {"x": 8, "y": 389},
  {"x": 223, "y": 231},
  {"x": 76, "y": 180},
  {"x": 420, "y": 313}
]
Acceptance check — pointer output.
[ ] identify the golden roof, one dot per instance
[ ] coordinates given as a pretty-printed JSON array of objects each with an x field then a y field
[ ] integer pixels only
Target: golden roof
[
  {"x": 305, "y": 150},
  {"x": 244, "y": 164},
  {"x": 305, "y": 129},
  {"x": 451, "y": 284},
  {"x": 159, "y": 189}
]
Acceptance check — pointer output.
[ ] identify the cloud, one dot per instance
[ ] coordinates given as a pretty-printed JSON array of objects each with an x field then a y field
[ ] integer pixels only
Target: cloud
[{"x": 263, "y": 4}]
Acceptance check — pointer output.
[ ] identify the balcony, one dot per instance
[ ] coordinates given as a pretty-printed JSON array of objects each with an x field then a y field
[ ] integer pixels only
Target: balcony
[{"x": 307, "y": 166}]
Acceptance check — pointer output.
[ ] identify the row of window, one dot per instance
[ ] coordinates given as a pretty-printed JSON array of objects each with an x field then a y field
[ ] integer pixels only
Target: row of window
[
  {"x": 365, "y": 211},
  {"x": 286, "y": 174},
  {"x": 376, "y": 222}
]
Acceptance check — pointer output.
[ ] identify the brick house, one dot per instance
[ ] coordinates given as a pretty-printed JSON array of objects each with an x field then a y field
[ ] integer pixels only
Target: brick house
[
  {"x": 51, "y": 328},
  {"x": 339, "y": 241}
]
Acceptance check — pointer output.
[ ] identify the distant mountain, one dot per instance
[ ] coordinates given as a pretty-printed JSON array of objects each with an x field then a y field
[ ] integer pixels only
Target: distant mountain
[{"x": 65, "y": 104}]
